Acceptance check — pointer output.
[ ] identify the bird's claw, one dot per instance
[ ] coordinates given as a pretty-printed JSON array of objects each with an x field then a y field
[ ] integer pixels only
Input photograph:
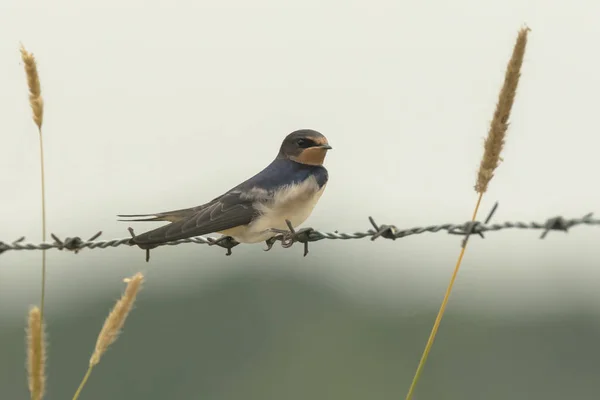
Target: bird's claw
[
  {"x": 270, "y": 242},
  {"x": 289, "y": 237}
]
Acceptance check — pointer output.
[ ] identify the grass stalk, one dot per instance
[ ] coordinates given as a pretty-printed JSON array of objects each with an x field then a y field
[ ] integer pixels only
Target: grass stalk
[
  {"x": 37, "y": 107},
  {"x": 112, "y": 326},
  {"x": 36, "y": 354},
  {"x": 43, "y": 290},
  {"x": 491, "y": 157}
]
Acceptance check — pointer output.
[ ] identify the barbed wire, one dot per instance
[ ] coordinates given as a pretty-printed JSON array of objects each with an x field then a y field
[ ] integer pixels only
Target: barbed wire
[{"x": 307, "y": 235}]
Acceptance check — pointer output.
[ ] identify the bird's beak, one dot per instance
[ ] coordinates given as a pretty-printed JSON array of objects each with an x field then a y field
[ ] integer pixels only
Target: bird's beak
[{"x": 325, "y": 146}]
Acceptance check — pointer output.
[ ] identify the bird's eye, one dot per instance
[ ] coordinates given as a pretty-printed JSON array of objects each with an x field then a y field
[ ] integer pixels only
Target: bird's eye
[{"x": 304, "y": 143}]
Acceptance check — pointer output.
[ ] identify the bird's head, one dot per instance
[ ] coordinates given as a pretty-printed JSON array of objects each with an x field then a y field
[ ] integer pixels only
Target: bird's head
[{"x": 305, "y": 146}]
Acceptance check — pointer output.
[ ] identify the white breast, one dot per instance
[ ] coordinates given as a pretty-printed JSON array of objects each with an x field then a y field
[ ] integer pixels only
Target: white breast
[{"x": 294, "y": 203}]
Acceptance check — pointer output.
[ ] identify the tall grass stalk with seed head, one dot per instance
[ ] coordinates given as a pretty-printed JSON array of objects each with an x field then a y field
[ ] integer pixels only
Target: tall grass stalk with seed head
[
  {"x": 491, "y": 157},
  {"x": 36, "y": 354},
  {"x": 36, "y": 344},
  {"x": 37, "y": 107},
  {"x": 113, "y": 325}
]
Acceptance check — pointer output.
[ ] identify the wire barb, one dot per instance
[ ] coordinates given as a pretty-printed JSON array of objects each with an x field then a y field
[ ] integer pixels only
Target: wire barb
[
  {"x": 226, "y": 242},
  {"x": 132, "y": 243},
  {"x": 74, "y": 244},
  {"x": 560, "y": 224},
  {"x": 306, "y": 235},
  {"x": 385, "y": 231},
  {"x": 472, "y": 227}
]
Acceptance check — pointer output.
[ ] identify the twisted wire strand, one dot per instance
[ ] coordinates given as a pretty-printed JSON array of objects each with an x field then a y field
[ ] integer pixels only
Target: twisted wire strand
[{"x": 306, "y": 235}]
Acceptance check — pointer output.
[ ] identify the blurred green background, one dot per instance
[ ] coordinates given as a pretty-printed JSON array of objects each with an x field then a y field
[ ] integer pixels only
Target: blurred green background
[{"x": 267, "y": 332}]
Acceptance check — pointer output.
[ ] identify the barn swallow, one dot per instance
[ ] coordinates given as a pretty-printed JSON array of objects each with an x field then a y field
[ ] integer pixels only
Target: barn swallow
[{"x": 287, "y": 189}]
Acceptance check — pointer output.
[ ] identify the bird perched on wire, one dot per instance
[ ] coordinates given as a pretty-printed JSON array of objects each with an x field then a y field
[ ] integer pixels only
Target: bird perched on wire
[{"x": 287, "y": 189}]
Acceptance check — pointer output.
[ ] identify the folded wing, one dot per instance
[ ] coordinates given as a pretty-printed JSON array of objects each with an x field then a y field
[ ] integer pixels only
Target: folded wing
[{"x": 225, "y": 212}]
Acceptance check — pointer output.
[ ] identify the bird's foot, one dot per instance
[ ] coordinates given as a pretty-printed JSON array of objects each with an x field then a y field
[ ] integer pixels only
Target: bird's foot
[
  {"x": 289, "y": 237},
  {"x": 270, "y": 242}
]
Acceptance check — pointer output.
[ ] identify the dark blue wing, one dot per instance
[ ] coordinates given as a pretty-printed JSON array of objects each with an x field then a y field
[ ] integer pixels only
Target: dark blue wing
[{"x": 228, "y": 211}]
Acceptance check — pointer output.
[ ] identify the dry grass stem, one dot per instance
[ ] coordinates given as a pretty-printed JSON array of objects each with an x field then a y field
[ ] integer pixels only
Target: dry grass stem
[
  {"x": 116, "y": 319},
  {"x": 113, "y": 325},
  {"x": 495, "y": 139},
  {"x": 37, "y": 106},
  {"x": 35, "y": 92},
  {"x": 36, "y": 354},
  {"x": 493, "y": 146}
]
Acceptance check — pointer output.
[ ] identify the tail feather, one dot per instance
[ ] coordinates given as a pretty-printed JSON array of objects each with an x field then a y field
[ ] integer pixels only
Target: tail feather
[
  {"x": 155, "y": 237},
  {"x": 171, "y": 216},
  {"x": 147, "y": 217}
]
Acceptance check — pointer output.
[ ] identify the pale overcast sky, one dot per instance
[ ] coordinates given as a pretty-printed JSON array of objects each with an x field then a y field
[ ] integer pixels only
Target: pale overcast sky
[{"x": 158, "y": 105}]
